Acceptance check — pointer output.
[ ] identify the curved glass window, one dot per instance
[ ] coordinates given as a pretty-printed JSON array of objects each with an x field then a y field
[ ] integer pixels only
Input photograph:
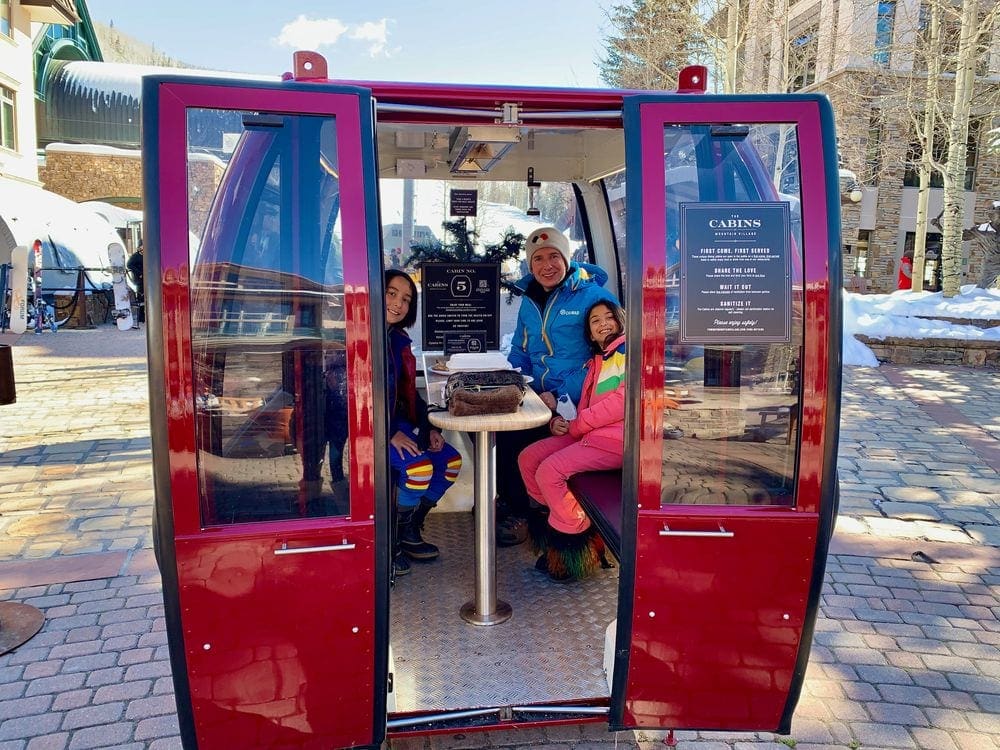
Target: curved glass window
[
  {"x": 267, "y": 317},
  {"x": 733, "y": 315}
]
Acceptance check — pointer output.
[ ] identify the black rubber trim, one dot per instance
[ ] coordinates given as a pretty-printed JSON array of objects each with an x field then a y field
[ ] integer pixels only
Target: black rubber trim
[
  {"x": 830, "y": 485},
  {"x": 632, "y": 297}
]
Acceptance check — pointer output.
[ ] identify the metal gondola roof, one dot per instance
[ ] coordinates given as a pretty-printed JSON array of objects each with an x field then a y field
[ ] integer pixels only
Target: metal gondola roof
[{"x": 98, "y": 102}]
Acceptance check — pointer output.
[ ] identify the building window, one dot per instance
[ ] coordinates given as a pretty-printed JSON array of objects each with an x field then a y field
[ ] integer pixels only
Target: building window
[
  {"x": 883, "y": 32},
  {"x": 911, "y": 174},
  {"x": 861, "y": 259},
  {"x": 5, "y": 23},
  {"x": 972, "y": 153},
  {"x": 932, "y": 258},
  {"x": 8, "y": 136},
  {"x": 914, "y": 154},
  {"x": 802, "y": 56}
]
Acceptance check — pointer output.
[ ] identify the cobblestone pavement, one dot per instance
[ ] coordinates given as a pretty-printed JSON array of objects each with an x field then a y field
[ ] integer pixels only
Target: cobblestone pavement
[{"x": 906, "y": 652}]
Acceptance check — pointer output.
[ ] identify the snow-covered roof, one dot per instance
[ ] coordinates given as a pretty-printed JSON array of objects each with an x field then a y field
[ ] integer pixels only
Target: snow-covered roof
[
  {"x": 116, "y": 216},
  {"x": 98, "y": 102}
]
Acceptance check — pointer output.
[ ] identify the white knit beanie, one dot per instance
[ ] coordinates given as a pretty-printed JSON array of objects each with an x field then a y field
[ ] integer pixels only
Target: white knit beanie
[{"x": 547, "y": 237}]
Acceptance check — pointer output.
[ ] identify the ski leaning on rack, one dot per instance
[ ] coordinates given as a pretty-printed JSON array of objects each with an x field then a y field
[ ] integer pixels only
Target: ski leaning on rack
[
  {"x": 123, "y": 305},
  {"x": 19, "y": 289},
  {"x": 44, "y": 313}
]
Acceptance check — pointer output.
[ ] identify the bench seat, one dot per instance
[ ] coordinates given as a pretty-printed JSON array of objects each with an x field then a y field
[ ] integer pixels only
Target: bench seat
[{"x": 600, "y": 494}]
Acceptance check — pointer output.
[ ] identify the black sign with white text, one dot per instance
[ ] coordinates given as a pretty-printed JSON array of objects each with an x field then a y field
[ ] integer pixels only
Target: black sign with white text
[
  {"x": 461, "y": 307},
  {"x": 463, "y": 202},
  {"x": 735, "y": 273}
]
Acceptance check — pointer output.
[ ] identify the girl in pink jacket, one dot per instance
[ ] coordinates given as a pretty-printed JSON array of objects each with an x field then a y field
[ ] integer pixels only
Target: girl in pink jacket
[{"x": 591, "y": 441}]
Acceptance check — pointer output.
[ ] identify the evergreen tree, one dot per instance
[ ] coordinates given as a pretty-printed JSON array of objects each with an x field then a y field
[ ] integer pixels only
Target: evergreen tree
[
  {"x": 651, "y": 42},
  {"x": 460, "y": 247}
]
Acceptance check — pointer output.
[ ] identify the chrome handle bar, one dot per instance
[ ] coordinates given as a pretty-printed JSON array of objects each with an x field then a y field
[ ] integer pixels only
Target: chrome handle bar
[
  {"x": 720, "y": 533},
  {"x": 286, "y": 550}
]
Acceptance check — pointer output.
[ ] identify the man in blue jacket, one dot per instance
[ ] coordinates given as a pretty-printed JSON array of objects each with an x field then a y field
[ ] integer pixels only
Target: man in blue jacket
[{"x": 550, "y": 345}]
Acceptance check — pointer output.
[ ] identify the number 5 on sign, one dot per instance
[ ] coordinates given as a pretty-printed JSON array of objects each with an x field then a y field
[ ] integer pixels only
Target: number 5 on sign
[
  {"x": 19, "y": 289},
  {"x": 461, "y": 286}
]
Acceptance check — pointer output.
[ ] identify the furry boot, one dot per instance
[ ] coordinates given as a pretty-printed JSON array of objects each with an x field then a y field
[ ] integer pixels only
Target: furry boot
[
  {"x": 539, "y": 531},
  {"x": 573, "y": 557}
]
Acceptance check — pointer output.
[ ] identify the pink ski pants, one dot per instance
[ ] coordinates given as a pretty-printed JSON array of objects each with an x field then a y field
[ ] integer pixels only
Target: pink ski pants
[{"x": 546, "y": 467}]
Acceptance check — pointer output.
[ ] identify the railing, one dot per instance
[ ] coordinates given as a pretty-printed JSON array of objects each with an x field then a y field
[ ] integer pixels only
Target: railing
[
  {"x": 60, "y": 313},
  {"x": 243, "y": 323}
]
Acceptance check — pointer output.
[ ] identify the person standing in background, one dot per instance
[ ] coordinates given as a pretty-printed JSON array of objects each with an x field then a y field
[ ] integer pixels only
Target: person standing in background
[
  {"x": 135, "y": 271},
  {"x": 905, "y": 278}
]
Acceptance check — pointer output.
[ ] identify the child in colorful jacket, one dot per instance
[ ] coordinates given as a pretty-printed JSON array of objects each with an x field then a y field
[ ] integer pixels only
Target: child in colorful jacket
[
  {"x": 593, "y": 440},
  {"x": 426, "y": 466}
]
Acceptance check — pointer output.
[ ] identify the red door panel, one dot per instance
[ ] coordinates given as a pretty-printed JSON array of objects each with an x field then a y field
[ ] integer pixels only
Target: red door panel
[
  {"x": 261, "y": 219},
  {"x": 717, "y": 618},
  {"x": 268, "y": 635}
]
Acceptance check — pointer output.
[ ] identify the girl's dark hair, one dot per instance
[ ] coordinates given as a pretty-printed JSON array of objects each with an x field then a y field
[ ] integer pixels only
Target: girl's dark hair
[
  {"x": 411, "y": 315},
  {"x": 617, "y": 312}
]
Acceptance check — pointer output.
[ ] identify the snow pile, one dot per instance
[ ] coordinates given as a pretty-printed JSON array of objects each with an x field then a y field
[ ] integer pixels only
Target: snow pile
[{"x": 903, "y": 314}]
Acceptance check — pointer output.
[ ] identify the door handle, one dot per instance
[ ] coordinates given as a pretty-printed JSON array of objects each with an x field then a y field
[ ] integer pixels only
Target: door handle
[
  {"x": 286, "y": 550},
  {"x": 721, "y": 533}
]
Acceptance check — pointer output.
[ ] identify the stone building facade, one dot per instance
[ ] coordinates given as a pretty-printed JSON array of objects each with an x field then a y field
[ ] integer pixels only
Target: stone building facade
[
  {"x": 94, "y": 173},
  {"x": 862, "y": 55},
  {"x": 114, "y": 175}
]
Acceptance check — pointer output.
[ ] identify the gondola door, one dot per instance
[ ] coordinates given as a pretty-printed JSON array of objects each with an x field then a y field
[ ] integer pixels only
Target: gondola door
[
  {"x": 262, "y": 253},
  {"x": 733, "y": 289}
]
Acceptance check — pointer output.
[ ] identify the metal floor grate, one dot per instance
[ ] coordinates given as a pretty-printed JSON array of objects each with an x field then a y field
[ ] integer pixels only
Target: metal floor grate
[{"x": 551, "y": 650}]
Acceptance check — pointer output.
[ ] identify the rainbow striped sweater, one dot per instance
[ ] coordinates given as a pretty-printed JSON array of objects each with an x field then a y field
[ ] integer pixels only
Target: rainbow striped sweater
[{"x": 600, "y": 415}]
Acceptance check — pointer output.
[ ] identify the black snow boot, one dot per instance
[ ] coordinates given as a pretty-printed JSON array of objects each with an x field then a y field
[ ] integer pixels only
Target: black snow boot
[
  {"x": 420, "y": 514},
  {"x": 409, "y": 534},
  {"x": 400, "y": 565}
]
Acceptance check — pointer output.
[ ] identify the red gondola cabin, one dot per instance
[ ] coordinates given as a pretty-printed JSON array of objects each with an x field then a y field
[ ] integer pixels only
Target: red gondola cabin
[{"x": 272, "y": 210}]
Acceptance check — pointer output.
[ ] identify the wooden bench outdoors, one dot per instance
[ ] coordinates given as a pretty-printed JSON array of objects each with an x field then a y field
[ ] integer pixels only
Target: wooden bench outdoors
[
  {"x": 778, "y": 413},
  {"x": 600, "y": 494}
]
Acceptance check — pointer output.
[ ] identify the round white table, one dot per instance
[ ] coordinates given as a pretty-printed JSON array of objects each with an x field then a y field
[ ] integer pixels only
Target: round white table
[{"x": 486, "y": 609}]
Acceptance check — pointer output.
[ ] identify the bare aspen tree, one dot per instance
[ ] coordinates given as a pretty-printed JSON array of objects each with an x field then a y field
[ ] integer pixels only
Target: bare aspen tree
[
  {"x": 923, "y": 104},
  {"x": 923, "y": 197},
  {"x": 907, "y": 78},
  {"x": 732, "y": 45},
  {"x": 974, "y": 27}
]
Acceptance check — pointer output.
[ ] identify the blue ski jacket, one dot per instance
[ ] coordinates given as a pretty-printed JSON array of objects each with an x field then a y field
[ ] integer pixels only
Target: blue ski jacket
[{"x": 551, "y": 345}]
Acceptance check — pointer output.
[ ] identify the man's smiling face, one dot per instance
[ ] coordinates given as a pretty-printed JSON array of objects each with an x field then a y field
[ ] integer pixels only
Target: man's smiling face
[{"x": 548, "y": 267}]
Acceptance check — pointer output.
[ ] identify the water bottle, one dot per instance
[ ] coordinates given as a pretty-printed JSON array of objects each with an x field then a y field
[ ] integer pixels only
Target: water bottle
[{"x": 565, "y": 407}]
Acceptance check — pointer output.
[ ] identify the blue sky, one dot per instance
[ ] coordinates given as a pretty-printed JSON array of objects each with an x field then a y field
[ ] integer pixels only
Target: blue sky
[{"x": 539, "y": 43}]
